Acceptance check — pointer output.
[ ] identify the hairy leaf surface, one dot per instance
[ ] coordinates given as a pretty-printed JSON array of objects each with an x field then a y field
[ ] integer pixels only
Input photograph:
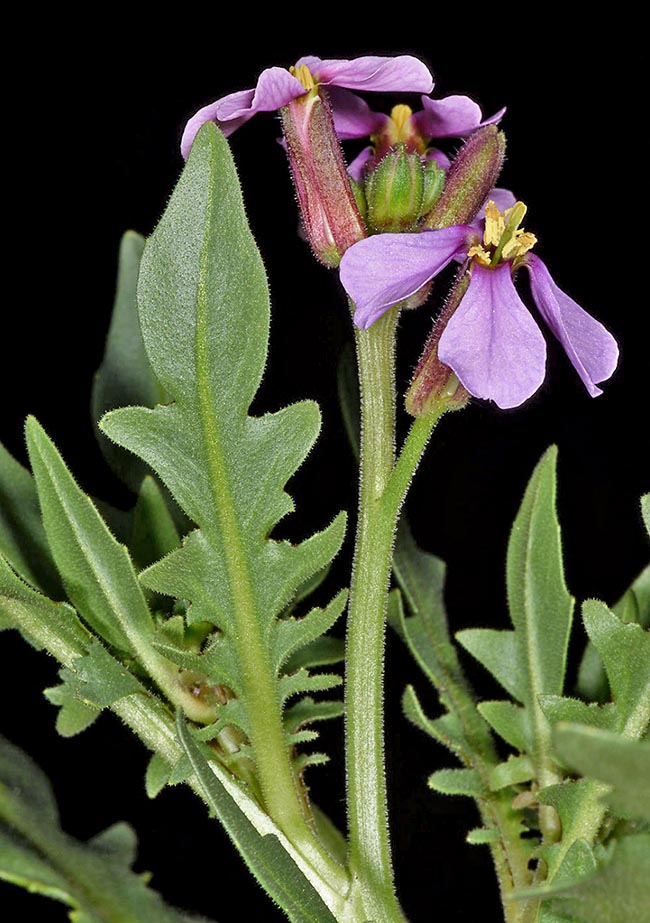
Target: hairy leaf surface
[{"x": 204, "y": 315}]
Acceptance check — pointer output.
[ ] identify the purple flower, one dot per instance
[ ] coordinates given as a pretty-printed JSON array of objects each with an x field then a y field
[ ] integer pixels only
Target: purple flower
[
  {"x": 276, "y": 87},
  {"x": 491, "y": 341},
  {"x": 450, "y": 117}
]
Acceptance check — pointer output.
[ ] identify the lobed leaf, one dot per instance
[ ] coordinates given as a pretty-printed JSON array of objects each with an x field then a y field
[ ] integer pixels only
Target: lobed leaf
[
  {"x": 93, "y": 879},
  {"x": 204, "y": 315}
]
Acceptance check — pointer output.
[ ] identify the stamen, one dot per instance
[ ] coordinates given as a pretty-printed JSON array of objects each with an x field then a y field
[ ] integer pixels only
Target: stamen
[
  {"x": 513, "y": 242},
  {"x": 480, "y": 254},
  {"x": 400, "y": 116},
  {"x": 521, "y": 243},
  {"x": 304, "y": 75},
  {"x": 494, "y": 225}
]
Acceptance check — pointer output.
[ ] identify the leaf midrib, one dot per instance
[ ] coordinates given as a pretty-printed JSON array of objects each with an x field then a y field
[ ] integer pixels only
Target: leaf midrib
[{"x": 260, "y": 690}]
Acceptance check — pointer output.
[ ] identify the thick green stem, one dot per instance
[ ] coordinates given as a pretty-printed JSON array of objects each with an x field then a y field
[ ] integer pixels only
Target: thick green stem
[{"x": 382, "y": 489}]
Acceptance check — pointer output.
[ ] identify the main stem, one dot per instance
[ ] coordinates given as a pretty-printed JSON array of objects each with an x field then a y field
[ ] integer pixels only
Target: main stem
[{"x": 383, "y": 486}]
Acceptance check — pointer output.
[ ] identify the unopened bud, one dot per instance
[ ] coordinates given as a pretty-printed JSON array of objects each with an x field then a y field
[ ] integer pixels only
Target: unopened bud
[
  {"x": 434, "y": 384},
  {"x": 470, "y": 179},
  {"x": 330, "y": 214},
  {"x": 395, "y": 190},
  {"x": 434, "y": 181}
]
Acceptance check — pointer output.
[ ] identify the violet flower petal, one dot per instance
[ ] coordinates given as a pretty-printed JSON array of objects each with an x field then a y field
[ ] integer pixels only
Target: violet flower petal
[
  {"x": 452, "y": 117},
  {"x": 402, "y": 73},
  {"x": 353, "y": 117},
  {"x": 310, "y": 61},
  {"x": 275, "y": 88},
  {"x": 383, "y": 270},
  {"x": 491, "y": 341},
  {"x": 358, "y": 165},
  {"x": 592, "y": 349}
]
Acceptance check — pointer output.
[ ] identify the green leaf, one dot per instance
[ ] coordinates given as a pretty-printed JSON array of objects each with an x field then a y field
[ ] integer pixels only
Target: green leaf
[
  {"x": 349, "y": 401},
  {"x": 154, "y": 532},
  {"x": 568, "y": 798},
  {"x": 514, "y": 771},
  {"x": 74, "y": 714},
  {"x": 509, "y": 721},
  {"x": 118, "y": 841},
  {"x": 618, "y": 892},
  {"x": 446, "y": 729},
  {"x": 293, "y": 634},
  {"x": 634, "y": 606},
  {"x": 480, "y": 836},
  {"x": 457, "y": 782},
  {"x": 265, "y": 857},
  {"x": 204, "y": 313},
  {"x": 498, "y": 652},
  {"x": 323, "y": 652},
  {"x": 621, "y": 763},
  {"x": 96, "y": 679},
  {"x": 530, "y": 661},
  {"x": 541, "y": 608},
  {"x": 96, "y": 570},
  {"x": 22, "y": 537},
  {"x": 92, "y": 678},
  {"x": 645, "y": 512},
  {"x": 625, "y": 652},
  {"x": 24, "y": 608},
  {"x": 24, "y": 784},
  {"x": 94, "y": 879},
  {"x": 125, "y": 377},
  {"x": 560, "y": 708},
  {"x": 157, "y": 775},
  {"x": 421, "y": 578}
]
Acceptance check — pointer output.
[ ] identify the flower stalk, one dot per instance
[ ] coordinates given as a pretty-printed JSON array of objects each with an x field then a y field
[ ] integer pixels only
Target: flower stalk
[{"x": 383, "y": 486}]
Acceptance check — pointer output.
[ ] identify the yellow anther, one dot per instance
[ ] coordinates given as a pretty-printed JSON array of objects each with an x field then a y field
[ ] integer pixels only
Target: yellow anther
[
  {"x": 495, "y": 225},
  {"x": 480, "y": 254},
  {"x": 401, "y": 117},
  {"x": 304, "y": 75},
  {"x": 521, "y": 243},
  {"x": 503, "y": 239}
]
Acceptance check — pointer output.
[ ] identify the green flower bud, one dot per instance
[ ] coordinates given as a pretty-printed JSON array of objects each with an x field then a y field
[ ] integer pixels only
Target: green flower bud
[
  {"x": 434, "y": 385},
  {"x": 434, "y": 181},
  {"x": 470, "y": 179},
  {"x": 395, "y": 191}
]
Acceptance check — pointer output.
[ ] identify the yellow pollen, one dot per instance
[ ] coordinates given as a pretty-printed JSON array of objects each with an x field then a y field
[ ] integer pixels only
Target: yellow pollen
[
  {"x": 480, "y": 254},
  {"x": 495, "y": 225},
  {"x": 503, "y": 238},
  {"x": 521, "y": 243},
  {"x": 400, "y": 117},
  {"x": 304, "y": 75}
]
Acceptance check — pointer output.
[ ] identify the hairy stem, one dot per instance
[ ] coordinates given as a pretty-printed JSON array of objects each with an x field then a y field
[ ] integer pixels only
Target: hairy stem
[{"x": 383, "y": 486}]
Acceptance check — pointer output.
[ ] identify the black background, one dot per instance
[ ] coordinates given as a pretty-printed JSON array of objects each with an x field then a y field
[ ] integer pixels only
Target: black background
[{"x": 93, "y": 121}]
